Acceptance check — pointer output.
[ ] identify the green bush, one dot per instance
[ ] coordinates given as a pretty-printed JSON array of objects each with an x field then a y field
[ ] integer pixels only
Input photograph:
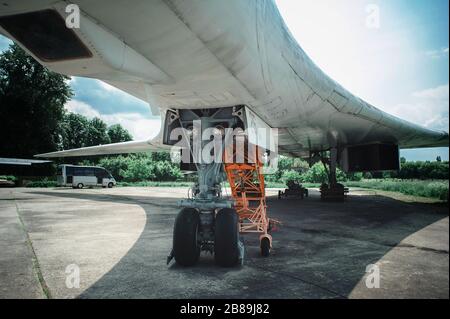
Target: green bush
[
  {"x": 318, "y": 174},
  {"x": 291, "y": 176},
  {"x": 9, "y": 178},
  {"x": 355, "y": 177},
  {"x": 115, "y": 165},
  {"x": 42, "y": 184},
  {"x": 430, "y": 189},
  {"x": 142, "y": 167},
  {"x": 154, "y": 184},
  {"x": 421, "y": 170},
  {"x": 138, "y": 169}
]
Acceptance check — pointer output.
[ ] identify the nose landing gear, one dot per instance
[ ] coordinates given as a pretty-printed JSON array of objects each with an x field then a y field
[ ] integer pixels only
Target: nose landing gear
[
  {"x": 209, "y": 222},
  {"x": 191, "y": 236}
]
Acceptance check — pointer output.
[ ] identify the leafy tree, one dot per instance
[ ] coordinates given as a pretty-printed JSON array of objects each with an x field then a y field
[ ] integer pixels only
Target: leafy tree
[
  {"x": 141, "y": 167},
  {"x": 116, "y": 165},
  {"x": 74, "y": 131},
  {"x": 355, "y": 177},
  {"x": 318, "y": 174},
  {"x": 166, "y": 171},
  {"x": 161, "y": 156},
  {"x": 78, "y": 131},
  {"x": 32, "y": 102},
  {"x": 288, "y": 164},
  {"x": 291, "y": 175},
  {"x": 97, "y": 133},
  {"x": 118, "y": 134},
  {"x": 423, "y": 170}
]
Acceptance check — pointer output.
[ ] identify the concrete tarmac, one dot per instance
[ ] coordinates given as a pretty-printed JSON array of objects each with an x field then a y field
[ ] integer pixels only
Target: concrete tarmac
[{"x": 118, "y": 239}]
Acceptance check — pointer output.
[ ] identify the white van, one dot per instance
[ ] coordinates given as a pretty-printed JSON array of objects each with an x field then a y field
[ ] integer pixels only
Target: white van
[{"x": 84, "y": 176}]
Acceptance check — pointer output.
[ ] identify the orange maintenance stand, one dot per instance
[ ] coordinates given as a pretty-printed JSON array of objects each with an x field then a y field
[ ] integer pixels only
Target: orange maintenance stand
[{"x": 248, "y": 191}]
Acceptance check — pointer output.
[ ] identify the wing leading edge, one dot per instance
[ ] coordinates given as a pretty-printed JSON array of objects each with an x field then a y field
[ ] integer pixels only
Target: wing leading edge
[{"x": 108, "y": 149}]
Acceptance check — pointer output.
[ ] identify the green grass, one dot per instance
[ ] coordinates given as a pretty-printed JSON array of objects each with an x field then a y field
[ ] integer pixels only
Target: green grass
[
  {"x": 437, "y": 189},
  {"x": 189, "y": 184},
  {"x": 154, "y": 184},
  {"x": 42, "y": 184},
  {"x": 283, "y": 185}
]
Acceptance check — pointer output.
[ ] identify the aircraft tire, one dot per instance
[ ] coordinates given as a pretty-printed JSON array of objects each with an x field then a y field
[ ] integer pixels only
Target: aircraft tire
[
  {"x": 226, "y": 245},
  {"x": 186, "y": 249},
  {"x": 265, "y": 247}
]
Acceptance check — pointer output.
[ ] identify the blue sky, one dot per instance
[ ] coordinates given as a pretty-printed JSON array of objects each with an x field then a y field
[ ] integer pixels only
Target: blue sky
[{"x": 401, "y": 65}]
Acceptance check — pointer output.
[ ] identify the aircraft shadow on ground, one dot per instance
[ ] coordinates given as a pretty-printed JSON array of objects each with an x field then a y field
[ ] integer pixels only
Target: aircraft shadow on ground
[{"x": 320, "y": 251}]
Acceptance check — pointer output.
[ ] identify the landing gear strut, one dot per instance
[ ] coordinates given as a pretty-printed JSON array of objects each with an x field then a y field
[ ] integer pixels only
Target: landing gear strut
[
  {"x": 208, "y": 222},
  {"x": 333, "y": 191}
]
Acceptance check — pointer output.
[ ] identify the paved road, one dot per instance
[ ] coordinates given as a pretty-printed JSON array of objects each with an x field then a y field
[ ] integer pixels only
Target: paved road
[{"x": 119, "y": 239}]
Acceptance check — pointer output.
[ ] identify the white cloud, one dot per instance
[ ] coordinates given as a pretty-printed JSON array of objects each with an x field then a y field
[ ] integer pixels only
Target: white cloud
[
  {"x": 437, "y": 54},
  {"x": 82, "y": 108},
  {"x": 140, "y": 127},
  {"x": 438, "y": 93},
  {"x": 428, "y": 108}
]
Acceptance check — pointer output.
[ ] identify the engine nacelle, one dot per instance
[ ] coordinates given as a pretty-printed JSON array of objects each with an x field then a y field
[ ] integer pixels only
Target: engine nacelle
[{"x": 370, "y": 158}]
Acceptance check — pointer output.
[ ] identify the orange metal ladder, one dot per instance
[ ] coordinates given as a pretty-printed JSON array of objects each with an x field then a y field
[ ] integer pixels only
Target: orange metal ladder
[{"x": 248, "y": 191}]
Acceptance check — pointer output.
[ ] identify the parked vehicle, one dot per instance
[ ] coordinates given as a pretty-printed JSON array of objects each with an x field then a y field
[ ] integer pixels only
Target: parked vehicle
[{"x": 84, "y": 176}]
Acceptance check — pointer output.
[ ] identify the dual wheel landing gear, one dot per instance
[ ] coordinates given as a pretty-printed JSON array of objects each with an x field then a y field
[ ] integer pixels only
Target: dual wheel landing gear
[
  {"x": 294, "y": 189},
  {"x": 188, "y": 242},
  {"x": 208, "y": 221},
  {"x": 206, "y": 227},
  {"x": 333, "y": 191}
]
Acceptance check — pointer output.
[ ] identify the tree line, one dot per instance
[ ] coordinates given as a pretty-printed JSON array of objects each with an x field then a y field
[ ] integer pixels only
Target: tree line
[
  {"x": 75, "y": 131},
  {"x": 34, "y": 121},
  {"x": 32, "y": 113},
  {"x": 140, "y": 167},
  {"x": 299, "y": 170}
]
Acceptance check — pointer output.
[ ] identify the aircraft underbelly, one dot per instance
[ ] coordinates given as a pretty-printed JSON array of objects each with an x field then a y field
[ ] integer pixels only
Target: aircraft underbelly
[{"x": 195, "y": 54}]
